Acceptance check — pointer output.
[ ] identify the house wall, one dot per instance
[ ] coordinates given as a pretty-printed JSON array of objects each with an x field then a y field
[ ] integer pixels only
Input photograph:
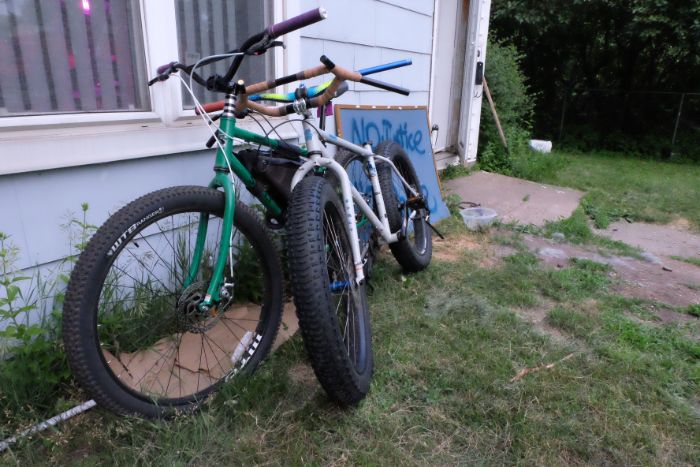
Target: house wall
[
  {"x": 36, "y": 205},
  {"x": 364, "y": 33}
]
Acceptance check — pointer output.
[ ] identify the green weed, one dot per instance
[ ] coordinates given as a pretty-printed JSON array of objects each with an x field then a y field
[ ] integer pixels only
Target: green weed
[
  {"x": 33, "y": 366},
  {"x": 455, "y": 171}
]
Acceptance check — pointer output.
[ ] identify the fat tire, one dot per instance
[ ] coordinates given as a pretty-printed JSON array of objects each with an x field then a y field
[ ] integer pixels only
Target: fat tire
[
  {"x": 407, "y": 254},
  {"x": 86, "y": 281},
  {"x": 337, "y": 373}
]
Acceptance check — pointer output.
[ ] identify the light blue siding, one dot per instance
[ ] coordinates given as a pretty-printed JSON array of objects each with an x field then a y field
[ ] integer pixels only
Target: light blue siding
[
  {"x": 35, "y": 205},
  {"x": 365, "y": 33}
]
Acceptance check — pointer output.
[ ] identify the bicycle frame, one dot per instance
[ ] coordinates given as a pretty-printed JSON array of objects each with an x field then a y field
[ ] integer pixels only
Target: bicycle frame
[
  {"x": 350, "y": 193},
  {"x": 237, "y": 101},
  {"x": 225, "y": 158}
]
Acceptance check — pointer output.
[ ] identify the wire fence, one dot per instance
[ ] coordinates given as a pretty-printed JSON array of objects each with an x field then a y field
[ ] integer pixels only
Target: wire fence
[{"x": 657, "y": 123}]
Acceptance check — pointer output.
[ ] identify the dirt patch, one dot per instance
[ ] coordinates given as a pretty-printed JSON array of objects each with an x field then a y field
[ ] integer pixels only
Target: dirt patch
[
  {"x": 537, "y": 316},
  {"x": 303, "y": 375},
  {"x": 452, "y": 249},
  {"x": 681, "y": 223},
  {"x": 670, "y": 316},
  {"x": 666, "y": 282},
  {"x": 486, "y": 253},
  {"x": 504, "y": 250}
]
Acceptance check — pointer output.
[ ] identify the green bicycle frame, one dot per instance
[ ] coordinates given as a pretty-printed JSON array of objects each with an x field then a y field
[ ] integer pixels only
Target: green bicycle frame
[{"x": 224, "y": 159}]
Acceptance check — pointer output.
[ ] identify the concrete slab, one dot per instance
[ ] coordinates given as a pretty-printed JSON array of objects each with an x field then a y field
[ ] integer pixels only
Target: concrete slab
[
  {"x": 667, "y": 240},
  {"x": 516, "y": 200}
]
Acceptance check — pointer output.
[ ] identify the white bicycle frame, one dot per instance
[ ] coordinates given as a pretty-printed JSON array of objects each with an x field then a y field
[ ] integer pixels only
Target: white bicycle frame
[{"x": 350, "y": 193}]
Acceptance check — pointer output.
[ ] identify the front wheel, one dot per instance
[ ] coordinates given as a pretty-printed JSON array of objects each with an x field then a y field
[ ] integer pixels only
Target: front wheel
[
  {"x": 414, "y": 251},
  {"x": 135, "y": 336},
  {"x": 332, "y": 307}
]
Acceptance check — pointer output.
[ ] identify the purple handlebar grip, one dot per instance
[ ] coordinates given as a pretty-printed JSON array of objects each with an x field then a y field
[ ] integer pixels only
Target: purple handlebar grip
[
  {"x": 298, "y": 22},
  {"x": 163, "y": 68}
]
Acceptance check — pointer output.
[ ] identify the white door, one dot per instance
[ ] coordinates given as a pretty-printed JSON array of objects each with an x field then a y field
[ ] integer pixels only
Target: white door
[
  {"x": 446, "y": 45},
  {"x": 474, "y": 66}
]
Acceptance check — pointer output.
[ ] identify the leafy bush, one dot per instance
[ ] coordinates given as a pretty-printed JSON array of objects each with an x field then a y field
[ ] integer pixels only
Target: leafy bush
[
  {"x": 514, "y": 105},
  {"x": 33, "y": 365},
  {"x": 454, "y": 171}
]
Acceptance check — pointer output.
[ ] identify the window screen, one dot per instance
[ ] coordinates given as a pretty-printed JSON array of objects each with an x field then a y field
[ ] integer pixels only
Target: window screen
[
  {"x": 208, "y": 27},
  {"x": 60, "y": 56}
]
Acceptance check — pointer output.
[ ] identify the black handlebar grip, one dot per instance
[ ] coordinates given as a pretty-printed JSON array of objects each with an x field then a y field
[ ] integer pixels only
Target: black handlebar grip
[
  {"x": 327, "y": 61},
  {"x": 382, "y": 85},
  {"x": 298, "y": 22}
]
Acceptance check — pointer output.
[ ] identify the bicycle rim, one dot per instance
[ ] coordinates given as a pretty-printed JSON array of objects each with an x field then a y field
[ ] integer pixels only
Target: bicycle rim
[
  {"x": 152, "y": 335},
  {"x": 346, "y": 296}
]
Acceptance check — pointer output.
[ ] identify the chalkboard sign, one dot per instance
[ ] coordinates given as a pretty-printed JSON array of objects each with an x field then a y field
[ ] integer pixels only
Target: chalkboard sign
[{"x": 409, "y": 127}]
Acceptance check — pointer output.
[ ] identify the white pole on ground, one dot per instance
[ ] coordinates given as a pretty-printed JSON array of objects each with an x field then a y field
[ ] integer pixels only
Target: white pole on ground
[{"x": 85, "y": 406}]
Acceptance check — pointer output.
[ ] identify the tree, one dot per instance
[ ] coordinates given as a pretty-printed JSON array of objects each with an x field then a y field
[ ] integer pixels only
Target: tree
[{"x": 623, "y": 45}]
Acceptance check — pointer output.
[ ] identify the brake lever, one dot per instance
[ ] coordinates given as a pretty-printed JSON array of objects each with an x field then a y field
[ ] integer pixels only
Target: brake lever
[
  {"x": 157, "y": 79},
  {"x": 264, "y": 46},
  {"x": 164, "y": 72}
]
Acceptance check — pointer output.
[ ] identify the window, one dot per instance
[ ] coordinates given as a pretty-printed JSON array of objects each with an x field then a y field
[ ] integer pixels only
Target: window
[
  {"x": 208, "y": 27},
  {"x": 73, "y": 75},
  {"x": 71, "y": 56}
]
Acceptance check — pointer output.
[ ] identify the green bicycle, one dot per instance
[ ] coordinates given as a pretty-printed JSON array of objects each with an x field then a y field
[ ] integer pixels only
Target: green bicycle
[{"x": 181, "y": 290}]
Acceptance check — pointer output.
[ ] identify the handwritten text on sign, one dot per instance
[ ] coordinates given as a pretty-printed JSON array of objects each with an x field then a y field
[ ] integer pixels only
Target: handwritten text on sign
[{"x": 409, "y": 128}]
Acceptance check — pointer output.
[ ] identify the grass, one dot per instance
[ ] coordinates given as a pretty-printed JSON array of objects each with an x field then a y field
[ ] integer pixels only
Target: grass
[
  {"x": 618, "y": 186},
  {"x": 442, "y": 391},
  {"x": 455, "y": 171},
  {"x": 693, "y": 261}
]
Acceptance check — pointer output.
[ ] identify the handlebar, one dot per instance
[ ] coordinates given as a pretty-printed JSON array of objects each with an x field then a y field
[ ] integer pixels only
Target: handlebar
[
  {"x": 298, "y": 22},
  {"x": 255, "y": 44},
  {"x": 261, "y": 42},
  {"x": 341, "y": 75},
  {"x": 385, "y": 67}
]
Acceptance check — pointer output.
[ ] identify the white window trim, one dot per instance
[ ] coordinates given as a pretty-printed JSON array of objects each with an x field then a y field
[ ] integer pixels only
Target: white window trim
[{"x": 43, "y": 142}]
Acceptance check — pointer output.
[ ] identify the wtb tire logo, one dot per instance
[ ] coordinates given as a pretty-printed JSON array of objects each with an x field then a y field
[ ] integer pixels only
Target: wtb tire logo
[{"x": 131, "y": 230}]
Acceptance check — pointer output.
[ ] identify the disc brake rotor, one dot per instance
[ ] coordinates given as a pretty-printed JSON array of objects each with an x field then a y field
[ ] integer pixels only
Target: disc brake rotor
[{"x": 190, "y": 317}]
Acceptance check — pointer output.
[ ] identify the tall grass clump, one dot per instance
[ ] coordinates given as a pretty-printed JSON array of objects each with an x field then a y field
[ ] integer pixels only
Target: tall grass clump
[
  {"x": 33, "y": 365},
  {"x": 35, "y": 380}
]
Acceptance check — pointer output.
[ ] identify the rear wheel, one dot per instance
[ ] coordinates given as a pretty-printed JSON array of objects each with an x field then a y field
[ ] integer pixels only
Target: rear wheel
[
  {"x": 135, "y": 337},
  {"x": 414, "y": 251},
  {"x": 332, "y": 307}
]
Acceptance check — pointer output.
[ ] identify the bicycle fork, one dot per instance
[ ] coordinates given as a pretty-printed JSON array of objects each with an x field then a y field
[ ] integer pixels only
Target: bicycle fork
[
  {"x": 316, "y": 159},
  {"x": 217, "y": 286}
]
